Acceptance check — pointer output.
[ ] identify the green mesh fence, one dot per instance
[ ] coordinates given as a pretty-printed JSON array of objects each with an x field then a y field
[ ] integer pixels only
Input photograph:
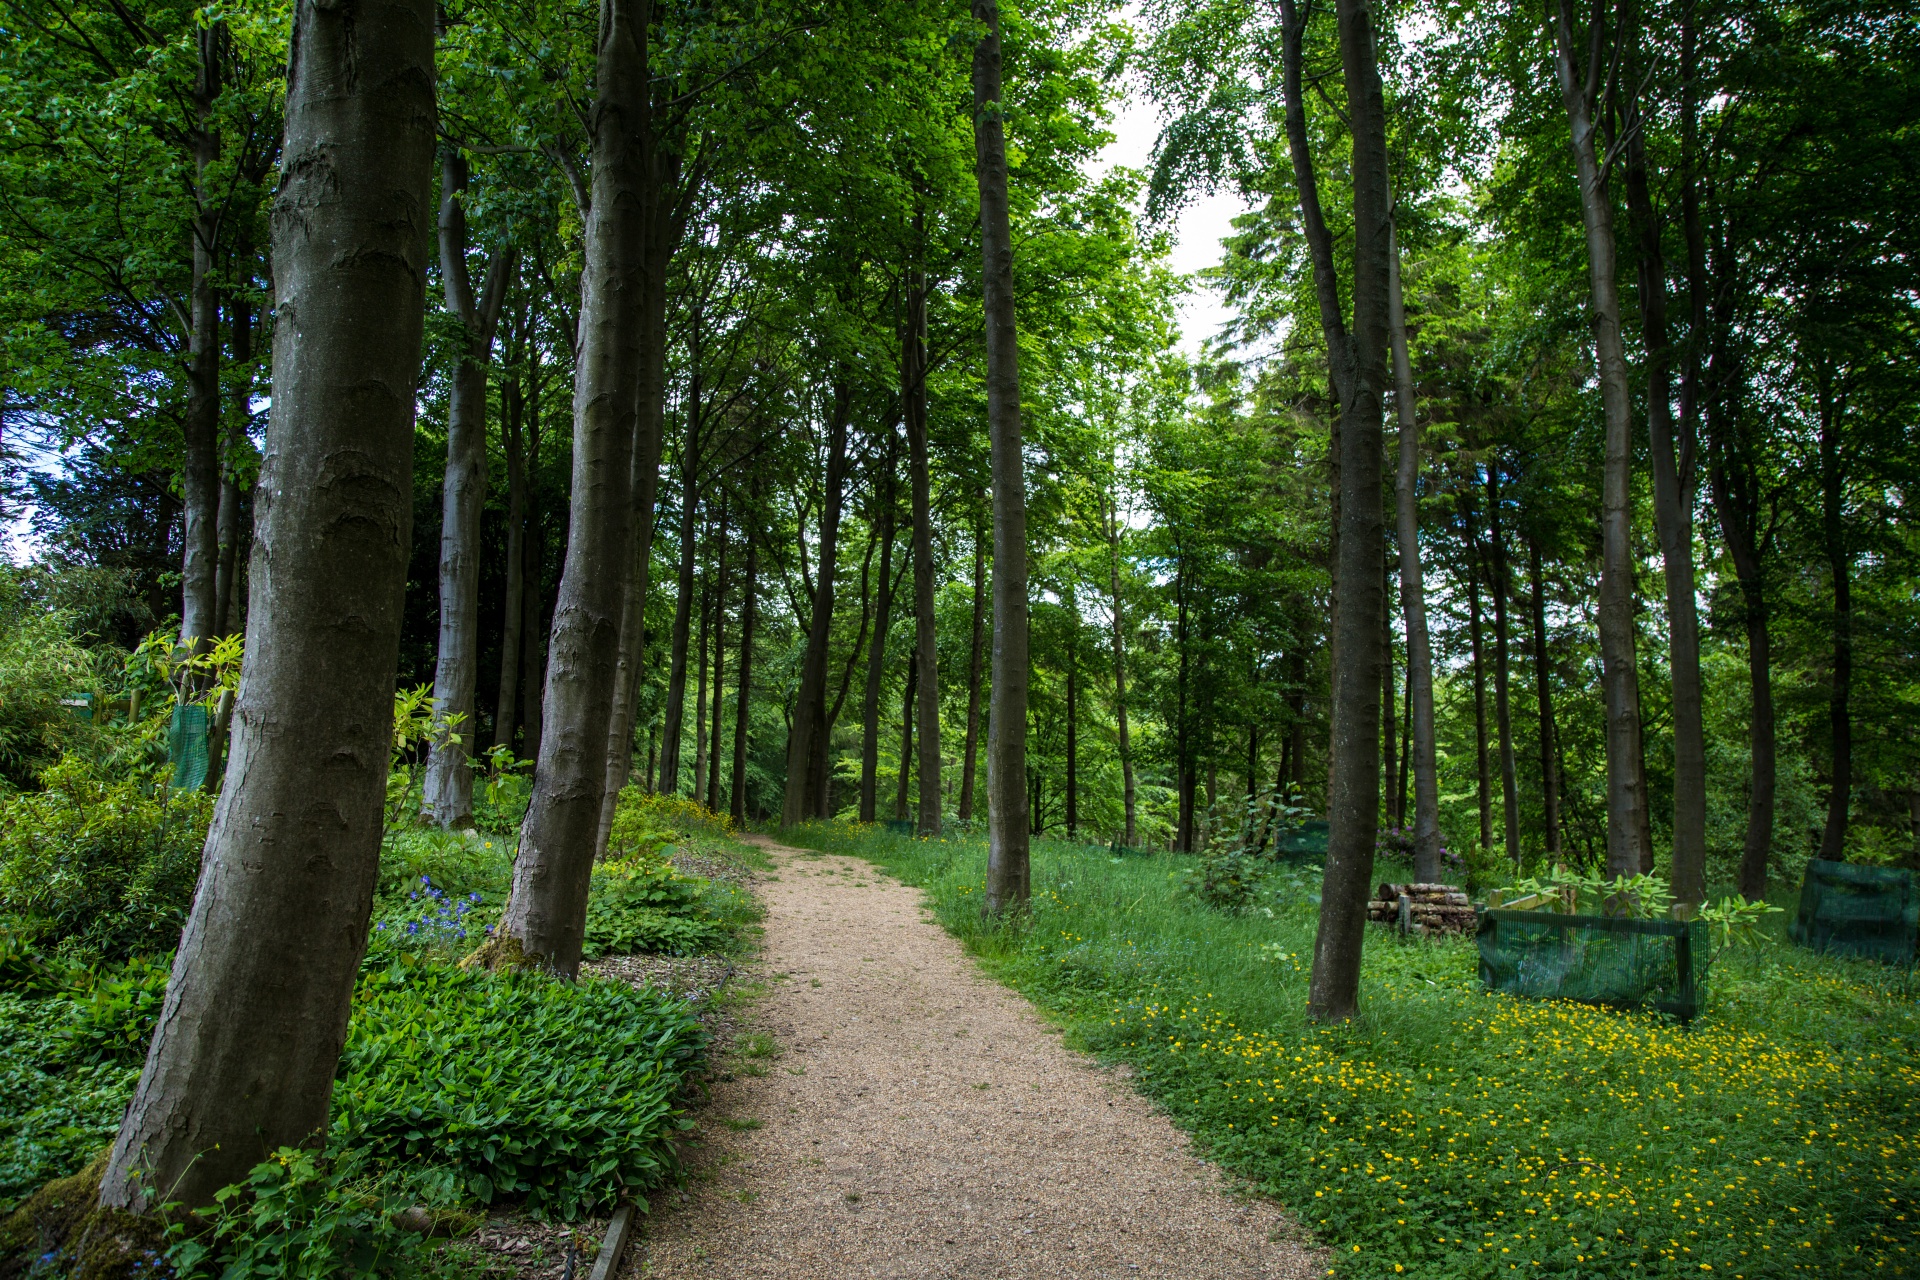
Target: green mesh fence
[
  {"x": 1851, "y": 910},
  {"x": 1633, "y": 964},
  {"x": 187, "y": 747}
]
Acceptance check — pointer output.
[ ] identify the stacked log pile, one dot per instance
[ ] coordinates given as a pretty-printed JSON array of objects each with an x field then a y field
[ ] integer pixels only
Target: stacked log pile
[{"x": 1428, "y": 908}]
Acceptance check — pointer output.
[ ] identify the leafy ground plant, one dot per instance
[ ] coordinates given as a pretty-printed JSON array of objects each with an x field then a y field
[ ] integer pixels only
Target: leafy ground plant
[{"x": 1452, "y": 1132}]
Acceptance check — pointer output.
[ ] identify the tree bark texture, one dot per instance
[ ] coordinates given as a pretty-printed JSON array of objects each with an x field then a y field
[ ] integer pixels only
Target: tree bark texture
[
  {"x": 976, "y": 647},
  {"x": 1413, "y": 594},
  {"x": 1620, "y": 680},
  {"x": 448, "y": 790},
  {"x": 1009, "y": 879},
  {"x": 926, "y": 648},
  {"x": 809, "y": 712},
  {"x": 1353, "y": 806},
  {"x": 242, "y": 1058},
  {"x": 546, "y": 910}
]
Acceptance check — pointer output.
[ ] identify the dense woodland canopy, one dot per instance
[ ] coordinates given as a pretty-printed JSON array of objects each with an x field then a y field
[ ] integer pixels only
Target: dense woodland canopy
[{"x": 802, "y": 424}]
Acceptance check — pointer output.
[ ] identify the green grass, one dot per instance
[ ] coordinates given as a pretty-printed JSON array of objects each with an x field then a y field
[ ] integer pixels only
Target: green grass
[{"x": 1451, "y": 1132}]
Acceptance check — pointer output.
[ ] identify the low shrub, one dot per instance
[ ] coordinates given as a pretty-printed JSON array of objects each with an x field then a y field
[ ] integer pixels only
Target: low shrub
[
  {"x": 644, "y": 822},
  {"x": 643, "y": 904},
  {"x": 98, "y": 867}
]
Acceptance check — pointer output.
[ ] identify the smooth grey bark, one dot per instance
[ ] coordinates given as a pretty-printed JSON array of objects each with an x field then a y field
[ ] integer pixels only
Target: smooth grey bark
[
  {"x": 976, "y": 646},
  {"x": 1543, "y": 697},
  {"x": 737, "y": 800},
  {"x": 1009, "y": 878},
  {"x": 1420, "y": 747},
  {"x": 877, "y": 652},
  {"x": 1502, "y": 585},
  {"x": 1353, "y": 805},
  {"x": 447, "y": 793},
  {"x": 545, "y": 916},
  {"x": 1673, "y": 498},
  {"x": 510, "y": 629},
  {"x": 1620, "y": 680},
  {"x": 927, "y": 648},
  {"x": 1128, "y": 797},
  {"x": 200, "y": 477},
  {"x": 243, "y": 1055},
  {"x": 809, "y": 711},
  {"x": 676, "y": 707}
]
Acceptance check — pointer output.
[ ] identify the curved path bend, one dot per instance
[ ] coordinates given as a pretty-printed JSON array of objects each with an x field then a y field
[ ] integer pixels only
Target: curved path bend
[{"x": 917, "y": 1119}]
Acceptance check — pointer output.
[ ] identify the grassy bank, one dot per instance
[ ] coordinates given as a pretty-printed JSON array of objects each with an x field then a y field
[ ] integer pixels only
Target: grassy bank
[{"x": 1453, "y": 1132}]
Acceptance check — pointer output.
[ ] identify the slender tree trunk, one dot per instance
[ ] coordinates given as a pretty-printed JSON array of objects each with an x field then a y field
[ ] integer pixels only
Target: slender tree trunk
[
  {"x": 448, "y": 791},
  {"x": 1420, "y": 748},
  {"x": 877, "y": 657},
  {"x": 926, "y": 646},
  {"x": 809, "y": 718},
  {"x": 1543, "y": 695},
  {"x": 1389, "y": 753},
  {"x": 1297, "y": 736},
  {"x": 1833, "y": 839},
  {"x": 683, "y": 607},
  {"x": 510, "y": 631},
  {"x": 1184, "y": 780},
  {"x": 1009, "y": 882},
  {"x": 904, "y": 776},
  {"x": 1313, "y": 221},
  {"x": 1073, "y": 724},
  {"x": 975, "y": 647},
  {"x": 1502, "y": 586},
  {"x": 1626, "y": 794},
  {"x": 737, "y": 802},
  {"x": 1483, "y": 772},
  {"x": 243, "y": 1055},
  {"x": 545, "y": 916},
  {"x": 200, "y": 477},
  {"x": 226, "y": 593},
  {"x": 719, "y": 662},
  {"x": 533, "y": 613},
  {"x": 1354, "y": 805},
  {"x": 1130, "y": 836},
  {"x": 700, "y": 697},
  {"x": 1673, "y": 494}
]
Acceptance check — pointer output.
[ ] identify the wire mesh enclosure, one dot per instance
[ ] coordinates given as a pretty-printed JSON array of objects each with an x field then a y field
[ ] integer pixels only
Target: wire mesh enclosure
[
  {"x": 1850, "y": 910},
  {"x": 1632, "y": 964}
]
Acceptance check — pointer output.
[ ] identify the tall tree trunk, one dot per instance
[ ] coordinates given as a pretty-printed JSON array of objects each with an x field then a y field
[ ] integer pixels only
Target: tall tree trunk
[
  {"x": 1389, "y": 754},
  {"x": 1297, "y": 736},
  {"x": 719, "y": 661},
  {"x": 511, "y": 606},
  {"x": 976, "y": 646},
  {"x": 200, "y": 477},
  {"x": 809, "y": 712},
  {"x": 737, "y": 801},
  {"x": 226, "y": 592},
  {"x": 1184, "y": 781},
  {"x": 1483, "y": 773},
  {"x": 1073, "y": 723},
  {"x": 877, "y": 652},
  {"x": 700, "y": 695},
  {"x": 1673, "y": 494},
  {"x": 533, "y": 610},
  {"x": 1543, "y": 695},
  {"x": 903, "y": 779},
  {"x": 1009, "y": 880},
  {"x": 1413, "y": 593},
  {"x": 242, "y": 1058},
  {"x": 665, "y": 229},
  {"x": 683, "y": 606},
  {"x": 1502, "y": 586},
  {"x": 448, "y": 791},
  {"x": 1626, "y": 794},
  {"x": 545, "y": 916},
  {"x": 926, "y": 647},
  {"x": 1130, "y": 837},
  {"x": 1833, "y": 838},
  {"x": 1353, "y": 807}
]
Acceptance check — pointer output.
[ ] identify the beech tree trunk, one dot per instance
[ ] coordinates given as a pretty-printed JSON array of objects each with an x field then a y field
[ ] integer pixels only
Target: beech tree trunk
[
  {"x": 975, "y": 649},
  {"x": 1673, "y": 495},
  {"x": 1620, "y": 680},
  {"x": 1413, "y": 595},
  {"x": 1009, "y": 880},
  {"x": 1502, "y": 586},
  {"x": 243, "y": 1055},
  {"x": 877, "y": 651},
  {"x": 545, "y": 916},
  {"x": 448, "y": 791},
  {"x": 926, "y": 647},
  {"x": 1543, "y": 694},
  {"x": 809, "y": 711},
  {"x": 200, "y": 477},
  {"x": 1131, "y": 835},
  {"x": 737, "y": 801},
  {"x": 1353, "y": 806}
]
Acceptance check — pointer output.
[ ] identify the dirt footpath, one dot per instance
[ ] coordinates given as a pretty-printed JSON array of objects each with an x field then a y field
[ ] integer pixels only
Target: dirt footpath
[{"x": 912, "y": 1118}]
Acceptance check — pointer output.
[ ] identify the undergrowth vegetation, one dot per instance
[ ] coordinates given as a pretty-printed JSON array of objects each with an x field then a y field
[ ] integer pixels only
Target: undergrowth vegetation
[{"x": 1452, "y": 1132}]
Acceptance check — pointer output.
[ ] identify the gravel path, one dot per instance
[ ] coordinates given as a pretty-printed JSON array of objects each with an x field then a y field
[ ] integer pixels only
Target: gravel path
[{"x": 913, "y": 1118}]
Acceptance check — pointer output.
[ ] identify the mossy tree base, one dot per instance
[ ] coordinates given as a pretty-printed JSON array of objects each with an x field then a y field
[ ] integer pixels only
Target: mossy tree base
[{"x": 62, "y": 1230}]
